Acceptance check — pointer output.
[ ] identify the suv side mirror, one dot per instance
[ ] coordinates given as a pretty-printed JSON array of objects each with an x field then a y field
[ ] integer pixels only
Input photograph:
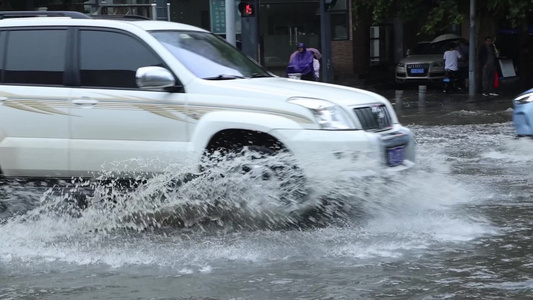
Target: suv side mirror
[
  {"x": 408, "y": 52},
  {"x": 154, "y": 78}
]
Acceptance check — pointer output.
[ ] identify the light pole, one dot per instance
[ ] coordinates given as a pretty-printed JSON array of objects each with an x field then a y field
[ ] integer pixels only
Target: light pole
[
  {"x": 230, "y": 22},
  {"x": 471, "y": 50},
  {"x": 325, "y": 34}
]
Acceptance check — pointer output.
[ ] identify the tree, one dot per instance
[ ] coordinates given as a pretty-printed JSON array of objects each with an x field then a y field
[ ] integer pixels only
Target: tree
[{"x": 441, "y": 13}]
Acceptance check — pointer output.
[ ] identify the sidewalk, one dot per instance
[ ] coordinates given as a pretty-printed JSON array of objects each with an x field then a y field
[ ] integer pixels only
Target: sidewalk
[
  {"x": 434, "y": 107},
  {"x": 410, "y": 94}
]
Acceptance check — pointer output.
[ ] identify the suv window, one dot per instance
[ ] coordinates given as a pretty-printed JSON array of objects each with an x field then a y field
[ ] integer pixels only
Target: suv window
[
  {"x": 208, "y": 56},
  {"x": 425, "y": 48},
  {"x": 110, "y": 59},
  {"x": 36, "y": 56},
  {"x": 421, "y": 48}
]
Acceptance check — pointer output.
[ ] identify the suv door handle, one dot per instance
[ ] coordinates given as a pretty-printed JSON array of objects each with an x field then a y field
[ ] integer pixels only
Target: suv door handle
[
  {"x": 85, "y": 102},
  {"x": 2, "y": 100}
]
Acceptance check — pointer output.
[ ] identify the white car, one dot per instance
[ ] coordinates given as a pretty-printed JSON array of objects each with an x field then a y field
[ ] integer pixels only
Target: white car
[{"x": 79, "y": 93}]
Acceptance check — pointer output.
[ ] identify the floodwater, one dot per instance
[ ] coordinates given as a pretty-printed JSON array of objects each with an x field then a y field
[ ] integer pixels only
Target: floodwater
[{"x": 457, "y": 226}]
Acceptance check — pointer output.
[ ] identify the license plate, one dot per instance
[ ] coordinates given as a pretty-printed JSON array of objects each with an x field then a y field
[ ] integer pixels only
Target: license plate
[
  {"x": 446, "y": 79},
  {"x": 417, "y": 71},
  {"x": 395, "y": 156}
]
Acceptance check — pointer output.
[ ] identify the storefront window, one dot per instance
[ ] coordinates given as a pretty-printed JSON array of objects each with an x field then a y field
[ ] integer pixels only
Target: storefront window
[
  {"x": 380, "y": 44},
  {"x": 339, "y": 20},
  {"x": 339, "y": 5},
  {"x": 339, "y": 26}
]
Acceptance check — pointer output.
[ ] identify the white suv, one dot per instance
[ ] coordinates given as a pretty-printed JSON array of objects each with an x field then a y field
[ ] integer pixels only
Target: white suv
[{"x": 79, "y": 93}]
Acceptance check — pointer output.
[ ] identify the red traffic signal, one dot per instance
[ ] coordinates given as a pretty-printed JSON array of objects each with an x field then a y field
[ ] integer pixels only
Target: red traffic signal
[{"x": 246, "y": 8}]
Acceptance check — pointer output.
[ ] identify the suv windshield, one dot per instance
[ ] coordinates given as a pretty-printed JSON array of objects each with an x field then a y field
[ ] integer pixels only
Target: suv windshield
[
  {"x": 425, "y": 48},
  {"x": 208, "y": 56}
]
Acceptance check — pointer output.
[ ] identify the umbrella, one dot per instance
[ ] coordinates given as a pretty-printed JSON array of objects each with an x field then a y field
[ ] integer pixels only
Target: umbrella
[
  {"x": 446, "y": 37},
  {"x": 315, "y": 52}
]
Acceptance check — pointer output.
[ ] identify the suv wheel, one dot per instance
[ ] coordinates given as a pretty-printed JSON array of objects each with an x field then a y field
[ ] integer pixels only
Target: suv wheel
[{"x": 262, "y": 165}]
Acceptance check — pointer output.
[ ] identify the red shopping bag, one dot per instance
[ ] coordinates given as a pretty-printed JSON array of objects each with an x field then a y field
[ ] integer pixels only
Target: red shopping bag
[{"x": 496, "y": 80}]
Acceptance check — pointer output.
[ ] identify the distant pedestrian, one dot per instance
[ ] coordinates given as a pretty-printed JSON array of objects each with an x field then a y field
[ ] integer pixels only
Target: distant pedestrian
[
  {"x": 316, "y": 67},
  {"x": 302, "y": 63},
  {"x": 487, "y": 61},
  {"x": 451, "y": 60}
]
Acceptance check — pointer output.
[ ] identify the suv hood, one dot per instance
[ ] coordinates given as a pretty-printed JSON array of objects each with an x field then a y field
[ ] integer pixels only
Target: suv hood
[
  {"x": 281, "y": 88},
  {"x": 429, "y": 58}
]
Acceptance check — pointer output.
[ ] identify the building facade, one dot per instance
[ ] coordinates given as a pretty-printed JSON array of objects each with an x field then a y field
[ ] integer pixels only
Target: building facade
[
  {"x": 358, "y": 48},
  {"x": 282, "y": 24}
]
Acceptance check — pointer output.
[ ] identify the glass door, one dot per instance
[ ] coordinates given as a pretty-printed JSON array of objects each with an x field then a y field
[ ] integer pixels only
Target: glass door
[{"x": 283, "y": 26}]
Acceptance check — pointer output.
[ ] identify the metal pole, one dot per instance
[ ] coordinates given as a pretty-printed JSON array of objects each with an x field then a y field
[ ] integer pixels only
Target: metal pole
[
  {"x": 154, "y": 11},
  {"x": 230, "y": 22},
  {"x": 471, "y": 50},
  {"x": 325, "y": 37},
  {"x": 422, "y": 95}
]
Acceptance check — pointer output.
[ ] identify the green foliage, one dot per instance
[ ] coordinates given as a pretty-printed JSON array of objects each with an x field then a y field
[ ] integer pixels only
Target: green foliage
[
  {"x": 437, "y": 15},
  {"x": 517, "y": 11},
  {"x": 439, "y": 18}
]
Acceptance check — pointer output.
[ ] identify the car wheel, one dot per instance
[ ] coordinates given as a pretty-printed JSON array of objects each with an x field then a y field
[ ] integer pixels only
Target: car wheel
[{"x": 262, "y": 165}]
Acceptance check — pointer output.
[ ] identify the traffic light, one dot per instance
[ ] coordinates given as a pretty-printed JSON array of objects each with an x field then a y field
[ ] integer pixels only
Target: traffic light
[{"x": 246, "y": 8}]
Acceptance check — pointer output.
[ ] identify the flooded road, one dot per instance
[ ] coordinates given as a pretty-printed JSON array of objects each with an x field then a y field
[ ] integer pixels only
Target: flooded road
[{"x": 458, "y": 226}]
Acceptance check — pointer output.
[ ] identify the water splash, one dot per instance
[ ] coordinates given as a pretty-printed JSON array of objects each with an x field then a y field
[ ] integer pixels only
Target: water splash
[
  {"x": 226, "y": 197},
  {"x": 174, "y": 214},
  {"x": 224, "y": 194}
]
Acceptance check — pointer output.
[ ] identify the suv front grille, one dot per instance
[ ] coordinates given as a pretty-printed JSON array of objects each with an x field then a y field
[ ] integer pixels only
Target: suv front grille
[{"x": 375, "y": 117}]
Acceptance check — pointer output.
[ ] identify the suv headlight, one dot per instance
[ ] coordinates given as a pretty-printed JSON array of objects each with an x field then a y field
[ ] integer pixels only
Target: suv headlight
[
  {"x": 523, "y": 99},
  {"x": 438, "y": 64},
  {"x": 327, "y": 114},
  {"x": 401, "y": 65}
]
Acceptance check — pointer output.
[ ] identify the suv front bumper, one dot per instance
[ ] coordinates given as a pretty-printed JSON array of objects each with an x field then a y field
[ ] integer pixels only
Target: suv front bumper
[
  {"x": 350, "y": 152},
  {"x": 432, "y": 74}
]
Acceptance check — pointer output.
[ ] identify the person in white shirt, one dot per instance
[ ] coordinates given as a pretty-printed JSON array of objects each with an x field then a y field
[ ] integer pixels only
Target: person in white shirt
[
  {"x": 451, "y": 58},
  {"x": 316, "y": 67}
]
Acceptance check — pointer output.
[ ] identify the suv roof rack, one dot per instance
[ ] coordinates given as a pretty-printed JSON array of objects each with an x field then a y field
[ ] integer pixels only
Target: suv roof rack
[
  {"x": 120, "y": 17},
  {"x": 38, "y": 13}
]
